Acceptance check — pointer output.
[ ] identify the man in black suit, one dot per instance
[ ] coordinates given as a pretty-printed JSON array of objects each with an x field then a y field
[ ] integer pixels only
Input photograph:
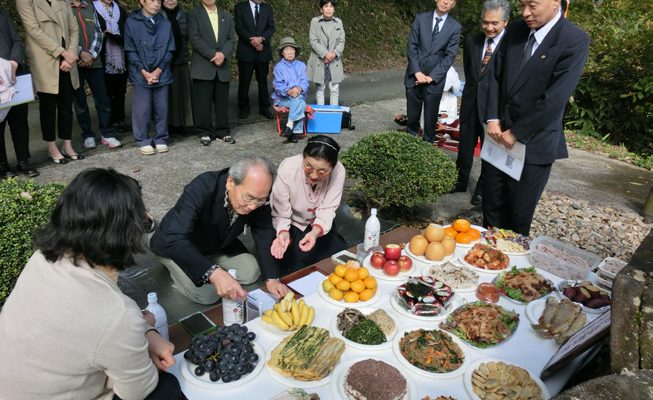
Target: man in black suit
[
  {"x": 540, "y": 61},
  {"x": 255, "y": 26},
  {"x": 432, "y": 47},
  {"x": 211, "y": 33},
  {"x": 478, "y": 62}
]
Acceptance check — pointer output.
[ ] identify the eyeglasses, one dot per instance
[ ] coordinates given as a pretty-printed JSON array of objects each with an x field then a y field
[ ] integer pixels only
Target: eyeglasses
[
  {"x": 309, "y": 170},
  {"x": 247, "y": 199}
]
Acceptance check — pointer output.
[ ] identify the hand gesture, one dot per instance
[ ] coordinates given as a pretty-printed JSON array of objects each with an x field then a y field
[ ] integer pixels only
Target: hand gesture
[
  {"x": 65, "y": 66},
  {"x": 508, "y": 139},
  {"x": 85, "y": 59},
  {"x": 226, "y": 286},
  {"x": 307, "y": 243},
  {"x": 69, "y": 57},
  {"x": 150, "y": 319},
  {"x": 494, "y": 130},
  {"x": 218, "y": 58},
  {"x": 14, "y": 68},
  {"x": 276, "y": 288},
  {"x": 160, "y": 351},
  {"x": 280, "y": 245}
]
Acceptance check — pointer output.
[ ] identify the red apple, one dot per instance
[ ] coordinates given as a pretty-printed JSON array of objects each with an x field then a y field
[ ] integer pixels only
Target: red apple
[
  {"x": 377, "y": 260},
  {"x": 391, "y": 268},
  {"x": 392, "y": 251},
  {"x": 405, "y": 263}
]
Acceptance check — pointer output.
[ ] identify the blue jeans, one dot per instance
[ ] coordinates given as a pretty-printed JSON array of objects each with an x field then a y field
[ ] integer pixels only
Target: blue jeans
[
  {"x": 297, "y": 106},
  {"x": 148, "y": 102},
  {"x": 95, "y": 79}
]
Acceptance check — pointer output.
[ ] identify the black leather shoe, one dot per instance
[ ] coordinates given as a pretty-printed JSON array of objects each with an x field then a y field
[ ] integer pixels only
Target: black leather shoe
[
  {"x": 229, "y": 139},
  {"x": 458, "y": 188},
  {"x": 24, "y": 167},
  {"x": 477, "y": 199},
  {"x": 6, "y": 171},
  {"x": 243, "y": 114},
  {"x": 291, "y": 139},
  {"x": 267, "y": 113},
  {"x": 287, "y": 132}
]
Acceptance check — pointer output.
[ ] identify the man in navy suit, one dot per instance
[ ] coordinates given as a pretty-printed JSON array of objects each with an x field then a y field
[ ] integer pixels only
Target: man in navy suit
[
  {"x": 478, "y": 61},
  {"x": 255, "y": 26},
  {"x": 540, "y": 61},
  {"x": 432, "y": 47}
]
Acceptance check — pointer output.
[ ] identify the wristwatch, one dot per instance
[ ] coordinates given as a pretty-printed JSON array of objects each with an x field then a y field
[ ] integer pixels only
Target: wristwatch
[{"x": 207, "y": 275}]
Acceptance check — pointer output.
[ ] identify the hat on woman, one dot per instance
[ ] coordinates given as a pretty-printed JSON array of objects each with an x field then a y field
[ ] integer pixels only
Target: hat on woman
[{"x": 288, "y": 41}]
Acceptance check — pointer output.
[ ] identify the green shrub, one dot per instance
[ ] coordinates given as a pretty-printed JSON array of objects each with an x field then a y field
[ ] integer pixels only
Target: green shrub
[
  {"x": 26, "y": 206},
  {"x": 394, "y": 169}
]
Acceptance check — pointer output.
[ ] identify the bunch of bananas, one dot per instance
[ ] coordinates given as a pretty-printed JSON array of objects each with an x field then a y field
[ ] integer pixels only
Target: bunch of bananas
[{"x": 289, "y": 314}]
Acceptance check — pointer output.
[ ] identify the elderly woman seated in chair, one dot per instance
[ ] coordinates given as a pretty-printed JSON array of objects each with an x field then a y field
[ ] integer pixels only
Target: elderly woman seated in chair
[{"x": 290, "y": 87}]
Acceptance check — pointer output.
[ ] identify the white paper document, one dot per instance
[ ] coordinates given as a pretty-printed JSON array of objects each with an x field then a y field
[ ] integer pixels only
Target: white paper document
[
  {"x": 509, "y": 161},
  {"x": 24, "y": 92},
  {"x": 308, "y": 284}
]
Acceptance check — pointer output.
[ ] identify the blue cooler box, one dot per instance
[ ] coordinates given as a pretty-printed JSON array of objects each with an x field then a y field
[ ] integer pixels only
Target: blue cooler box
[{"x": 326, "y": 119}]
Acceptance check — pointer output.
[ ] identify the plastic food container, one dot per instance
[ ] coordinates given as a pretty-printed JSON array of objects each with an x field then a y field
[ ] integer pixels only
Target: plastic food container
[
  {"x": 562, "y": 259},
  {"x": 611, "y": 266}
]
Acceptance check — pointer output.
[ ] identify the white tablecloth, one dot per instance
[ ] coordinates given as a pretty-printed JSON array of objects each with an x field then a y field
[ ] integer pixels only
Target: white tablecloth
[{"x": 525, "y": 348}]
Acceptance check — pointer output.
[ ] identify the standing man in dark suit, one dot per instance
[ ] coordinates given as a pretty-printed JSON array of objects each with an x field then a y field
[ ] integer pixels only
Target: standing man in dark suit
[
  {"x": 255, "y": 26},
  {"x": 478, "y": 61},
  {"x": 538, "y": 67},
  {"x": 432, "y": 47},
  {"x": 211, "y": 33}
]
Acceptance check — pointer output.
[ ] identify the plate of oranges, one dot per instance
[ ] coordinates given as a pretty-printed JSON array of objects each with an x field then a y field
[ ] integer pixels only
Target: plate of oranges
[
  {"x": 432, "y": 246},
  {"x": 464, "y": 233},
  {"x": 349, "y": 285}
]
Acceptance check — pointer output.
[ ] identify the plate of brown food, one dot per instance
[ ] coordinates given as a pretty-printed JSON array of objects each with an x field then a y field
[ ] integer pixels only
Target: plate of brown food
[
  {"x": 482, "y": 325},
  {"x": 523, "y": 285},
  {"x": 554, "y": 319},
  {"x": 485, "y": 258},
  {"x": 371, "y": 377},
  {"x": 501, "y": 380},
  {"x": 430, "y": 352},
  {"x": 511, "y": 243},
  {"x": 591, "y": 298},
  {"x": 365, "y": 329}
]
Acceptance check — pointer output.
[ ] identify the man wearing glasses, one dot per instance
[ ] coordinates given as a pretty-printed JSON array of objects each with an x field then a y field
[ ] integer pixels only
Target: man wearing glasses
[{"x": 197, "y": 240}]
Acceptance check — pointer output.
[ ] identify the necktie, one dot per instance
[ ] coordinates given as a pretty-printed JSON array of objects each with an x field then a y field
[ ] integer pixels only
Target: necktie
[
  {"x": 527, "y": 51},
  {"x": 256, "y": 15},
  {"x": 436, "y": 28},
  {"x": 487, "y": 55}
]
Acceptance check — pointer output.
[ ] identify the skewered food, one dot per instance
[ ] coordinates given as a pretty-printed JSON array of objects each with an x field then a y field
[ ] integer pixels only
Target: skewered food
[
  {"x": 485, "y": 257},
  {"x": 424, "y": 296},
  {"x": 431, "y": 350},
  {"x": 482, "y": 325},
  {"x": 560, "y": 319},
  {"x": 375, "y": 380},
  {"x": 496, "y": 380},
  {"x": 524, "y": 284}
]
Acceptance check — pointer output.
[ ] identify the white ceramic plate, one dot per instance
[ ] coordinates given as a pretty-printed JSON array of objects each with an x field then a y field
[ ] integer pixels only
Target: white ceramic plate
[
  {"x": 188, "y": 368},
  {"x": 378, "y": 273},
  {"x": 427, "y": 271},
  {"x": 461, "y": 259},
  {"x": 295, "y": 383},
  {"x": 426, "y": 261},
  {"x": 522, "y": 303},
  {"x": 454, "y": 303},
  {"x": 340, "y": 374},
  {"x": 341, "y": 303},
  {"x": 333, "y": 328},
  {"x": 467, "y": 380},
  {"x": 438, "y": 375},
  {"x": 535, "y": 308}
]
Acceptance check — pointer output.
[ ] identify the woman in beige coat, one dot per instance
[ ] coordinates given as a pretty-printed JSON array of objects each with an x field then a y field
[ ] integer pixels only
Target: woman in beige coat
[
  {"x": 52, "y": 38},
  {"x": 327, "y": 37}
]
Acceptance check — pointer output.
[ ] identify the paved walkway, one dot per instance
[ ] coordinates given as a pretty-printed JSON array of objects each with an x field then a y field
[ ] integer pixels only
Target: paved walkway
[{"x": 375, "y": 97}]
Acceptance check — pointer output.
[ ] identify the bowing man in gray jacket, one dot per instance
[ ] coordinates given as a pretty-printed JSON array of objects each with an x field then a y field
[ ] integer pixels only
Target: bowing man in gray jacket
[{"x": 211, "y": 33}]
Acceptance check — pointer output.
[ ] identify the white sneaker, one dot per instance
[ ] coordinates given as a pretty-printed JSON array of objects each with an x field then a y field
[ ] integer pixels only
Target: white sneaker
[
  {"x": 110, "y": 142},
  {"x": 89, "y": 143},
  {"x": 147, "y": 150},
  {"x": 161, "y": 148}
]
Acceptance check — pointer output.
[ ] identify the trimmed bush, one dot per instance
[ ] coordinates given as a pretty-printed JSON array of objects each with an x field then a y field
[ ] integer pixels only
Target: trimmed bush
[
  {"x": 26, "y": 207},
  {"x": 394, "y": 169}
]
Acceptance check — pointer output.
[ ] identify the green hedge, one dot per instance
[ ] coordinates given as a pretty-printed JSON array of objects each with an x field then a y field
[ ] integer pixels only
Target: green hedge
[
  {"x": 26, "y": 206},
  {"x": 395, "y": 169}
]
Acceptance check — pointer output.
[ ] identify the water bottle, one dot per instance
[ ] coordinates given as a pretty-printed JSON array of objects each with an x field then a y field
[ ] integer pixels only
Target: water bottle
[
  {"x": 372, "y": 231},
  {"x": 159, "y": 315},
  {"x": 232, "y": 310}
]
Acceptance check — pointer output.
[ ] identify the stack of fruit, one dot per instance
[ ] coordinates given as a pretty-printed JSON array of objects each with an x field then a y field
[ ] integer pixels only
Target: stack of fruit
[
  {"x": 350, "y": 282},
  {"x": 391, "y": 261},
  {"x": 433, "y": 244},
  {"x": 289, "y": 314},
  {"x": 462, "y": 232}
]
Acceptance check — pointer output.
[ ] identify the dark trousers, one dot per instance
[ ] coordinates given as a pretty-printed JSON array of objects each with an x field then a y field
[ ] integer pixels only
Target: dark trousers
[
  {"x": 17, "y": 118},
  {"x": 116, "y": 88},
  {"x": 325, "y": 247},
  {"x": 471, "y": 130},
  {"x": 415, "y": 97},
  {"x": 510, "y": 204},
  {"x": 95, "y": 79},
  {"x": 148, "y": 103},
  {"x": 56, "y": 110},
  {"x": 166, "y": 389},
  {"x": 205, "y": 94},
  {"x": 245, "y": 71}
]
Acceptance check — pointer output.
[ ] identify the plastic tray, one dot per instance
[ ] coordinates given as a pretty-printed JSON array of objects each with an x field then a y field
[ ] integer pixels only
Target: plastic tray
[
  {"x": 611, "y": 266},
  {"x": 562, "y": 259}
]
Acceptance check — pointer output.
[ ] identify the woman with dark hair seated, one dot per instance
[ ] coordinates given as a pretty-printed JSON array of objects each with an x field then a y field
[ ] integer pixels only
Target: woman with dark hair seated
[
  {"x": 66, "y": 330},
  {"x": 304, "y": 200}
]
